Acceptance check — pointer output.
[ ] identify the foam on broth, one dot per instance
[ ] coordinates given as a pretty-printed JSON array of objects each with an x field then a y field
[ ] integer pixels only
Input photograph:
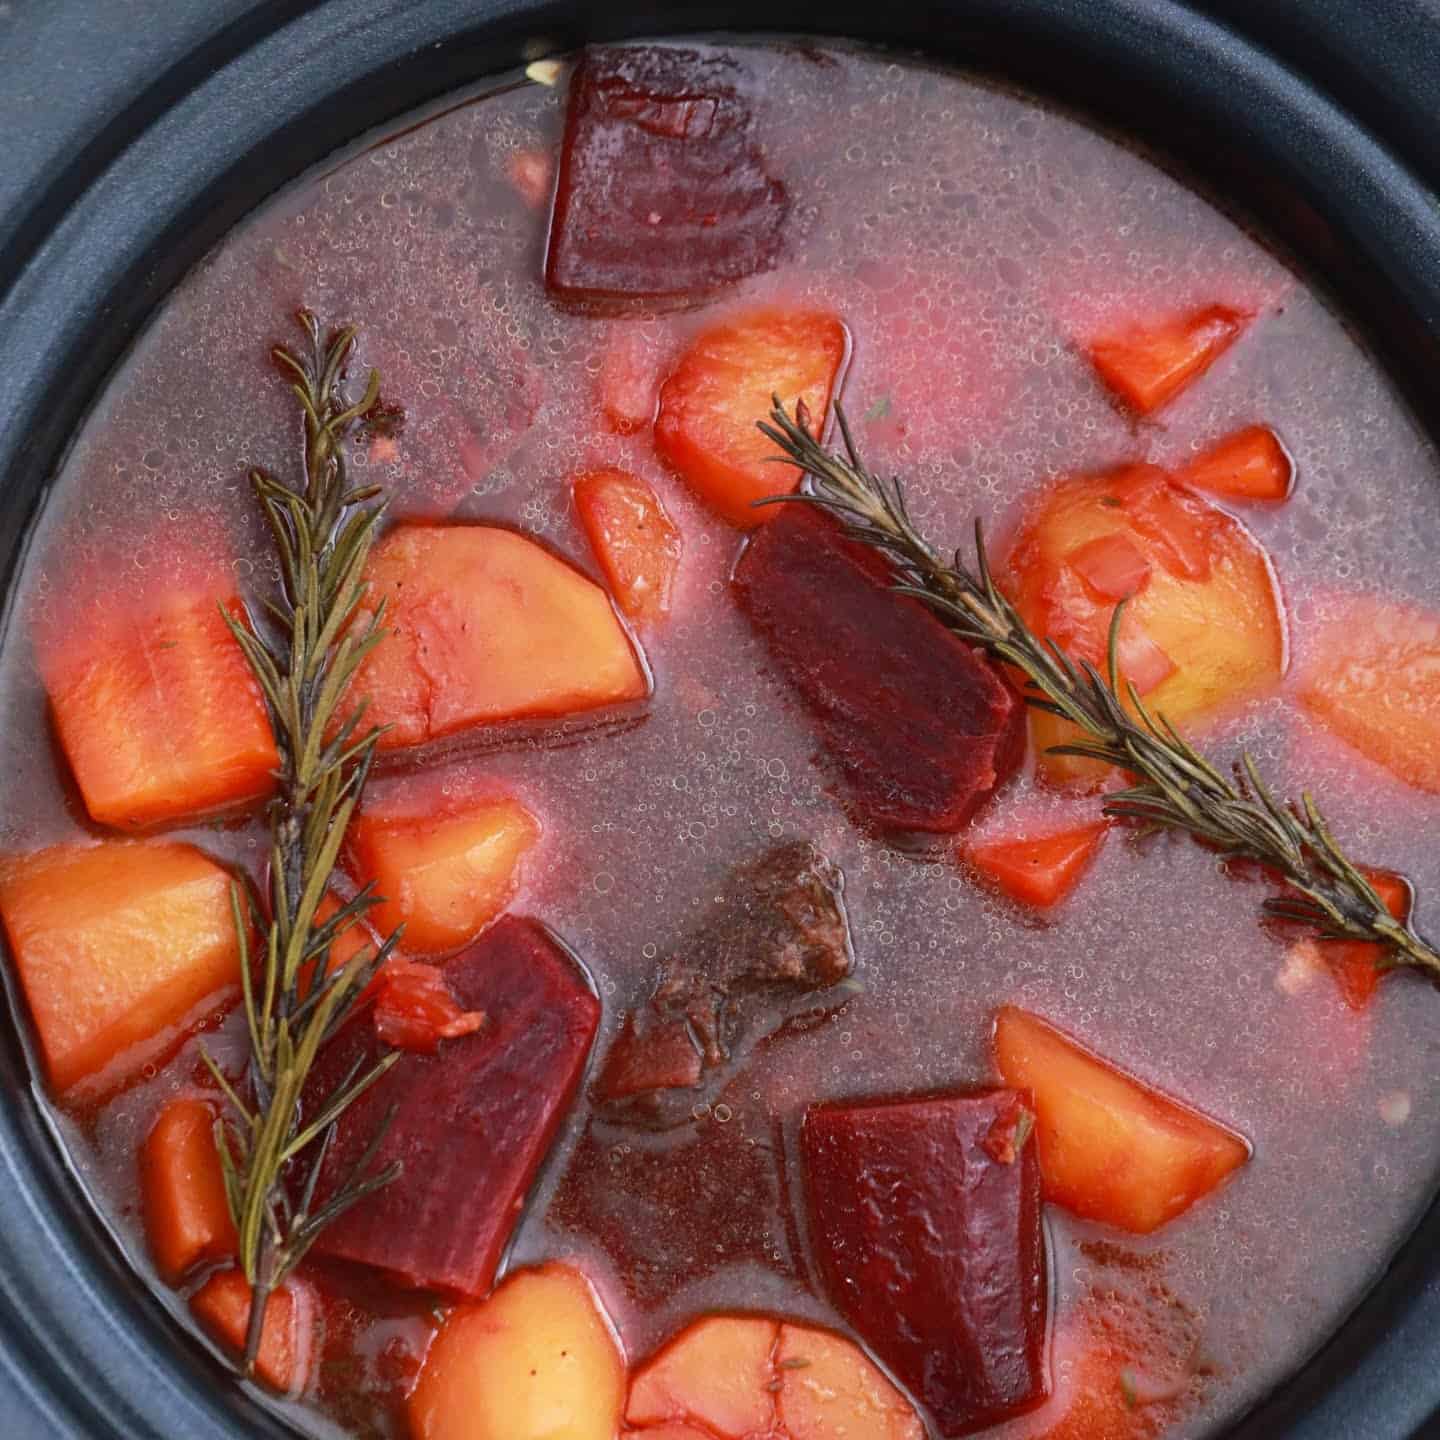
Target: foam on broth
[{"x": 967, "y": 236}]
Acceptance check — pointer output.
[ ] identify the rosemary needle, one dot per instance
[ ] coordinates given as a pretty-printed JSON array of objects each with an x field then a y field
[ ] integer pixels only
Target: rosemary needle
[
  {"x": 1176, "y": 787},
  {"x": 271, "y": 1155}
]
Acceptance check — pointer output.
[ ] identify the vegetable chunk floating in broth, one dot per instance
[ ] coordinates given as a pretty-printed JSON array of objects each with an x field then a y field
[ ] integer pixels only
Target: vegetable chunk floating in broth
[{"x": 608, "y": 955}]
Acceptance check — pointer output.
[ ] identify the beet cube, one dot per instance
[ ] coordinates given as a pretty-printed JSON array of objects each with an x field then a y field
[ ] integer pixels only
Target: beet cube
[
  {"x": 920, "y": 726},
  {"x": 925, "y": 1221},
  {"x": 472, "y": 1122},
  {"x": 663, "y": 191}
]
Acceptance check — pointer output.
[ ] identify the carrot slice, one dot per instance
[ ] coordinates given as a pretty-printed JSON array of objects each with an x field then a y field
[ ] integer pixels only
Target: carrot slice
[
  {"x": 537, "y": 1360},
  {"x": 1376, "y": 684},
  {"x": 724, "y": 383},
  {"x": 634, "y": 540},
  {"x": 157, "y": 711},
  {"x": 445, "y": 876},
  {"x": 222, "y": 1306},
  {"x": 487, "y": 626},
  {"x": 1147, "y": 365},
  {"x": 1111, "y": 1147},
  {"x": 117, "y": 945},
  {"x": 1039, "y": 870},
  {"x": 1250, "y": 464},
  {"x": 182, "y": 1190}
]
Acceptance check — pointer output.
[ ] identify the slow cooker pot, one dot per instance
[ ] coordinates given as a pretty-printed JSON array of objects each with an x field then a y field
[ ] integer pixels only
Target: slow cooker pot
[{"x": 135, "y": 134}]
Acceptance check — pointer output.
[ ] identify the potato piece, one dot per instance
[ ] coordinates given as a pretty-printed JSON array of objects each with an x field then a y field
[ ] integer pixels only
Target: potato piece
[
  {"x": 444, "y": 876},
  {"x": 1375, "y": 682},
  {"x": 1111, "y": 1147},
  {"x": 828, "y": 1388},
  {"x": 717, "y": 1373},
  {"x": 1204, "y": 627},
  {"x": 487, "y": 626},
  {"x": 537, "y": 1360}
]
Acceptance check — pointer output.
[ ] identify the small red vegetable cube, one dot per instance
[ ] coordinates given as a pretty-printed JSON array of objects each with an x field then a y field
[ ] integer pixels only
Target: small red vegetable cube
[
  {"x": 472, "y": 1122},
  {"x": 1357, "y": 964},
  {"x": 487, "y": 626},
  {"x": 1111, "y": 1147},
  {"x": 415, "y": 1010},
  {"x": 118, "y": 946},
  {"x": 724, "y": 384},
  {"x": 1147, "y": 365},
  {"x": 1112, "y": 566},
  {"x": 634, "y": 540},
  {"x": 182, "y": 1190},
  {"x": 925, "y": 1218},
  {"x": 1039, "y": 870},
  {"x": 922, "y": 728},
  {"x": 663, "y": 190},
  {"x": 1251, "y": 464},
  {"x": 157, "y": 710},
  {"x": 287, "y": 1334}
]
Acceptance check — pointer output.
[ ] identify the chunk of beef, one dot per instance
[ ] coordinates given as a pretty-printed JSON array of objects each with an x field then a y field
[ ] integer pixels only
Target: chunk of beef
[{"x": 776, "y": 934}]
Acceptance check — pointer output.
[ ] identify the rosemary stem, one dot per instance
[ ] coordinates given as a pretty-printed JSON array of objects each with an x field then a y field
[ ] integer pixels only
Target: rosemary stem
[{"x": 1175, "y": 787}]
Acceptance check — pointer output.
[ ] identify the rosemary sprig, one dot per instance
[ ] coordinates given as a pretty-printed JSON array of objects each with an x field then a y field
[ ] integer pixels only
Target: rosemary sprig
[
  {"x": 1176, "y": 787},
  {"x": 322, "y": 529}
]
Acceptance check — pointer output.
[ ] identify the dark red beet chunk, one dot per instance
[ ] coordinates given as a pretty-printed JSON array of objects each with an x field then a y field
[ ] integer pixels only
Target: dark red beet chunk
[
  {"x": 473, "y": 1122},
  {"x": 920, "y": 726},
  {"x": 931, "y": 1246},
  {"x": 663, "y": 191}
]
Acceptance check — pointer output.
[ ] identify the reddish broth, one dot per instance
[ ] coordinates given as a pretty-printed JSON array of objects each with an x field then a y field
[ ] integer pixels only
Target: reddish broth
[{"x": 971, "y": 240}]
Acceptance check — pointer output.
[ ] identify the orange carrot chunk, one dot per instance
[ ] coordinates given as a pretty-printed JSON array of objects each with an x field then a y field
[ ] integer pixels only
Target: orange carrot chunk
[
  {"x": 182, "y": 1191},
  {"x": 487, "y": 626},
  {"x": 118, "y": 946},
  {"x": 446, "y": 872},
  {"x": 724, "y": 383},
  {"x": 1375, "y": 683},
  {"x": 634, "y": 540},
  {"x": 1251, "y": 464},
  {"x": 537, "y": 1360},
  {"x": 1147, "y": 365},
  {"x": 1039, "y": 870},
  {"x": 157, "y": 711},
  {"x": 1357, "y": 964},
  {"x": 222, "y": 1306},
  {"x": 1111, "y": 1147}
]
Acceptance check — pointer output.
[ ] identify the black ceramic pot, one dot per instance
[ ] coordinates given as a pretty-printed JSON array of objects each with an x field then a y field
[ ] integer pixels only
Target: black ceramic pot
[{"x": 133, "y": 133}]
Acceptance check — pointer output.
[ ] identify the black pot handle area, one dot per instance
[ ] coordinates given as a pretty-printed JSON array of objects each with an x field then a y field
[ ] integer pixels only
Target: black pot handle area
[{"x": 134, "y": 135}]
